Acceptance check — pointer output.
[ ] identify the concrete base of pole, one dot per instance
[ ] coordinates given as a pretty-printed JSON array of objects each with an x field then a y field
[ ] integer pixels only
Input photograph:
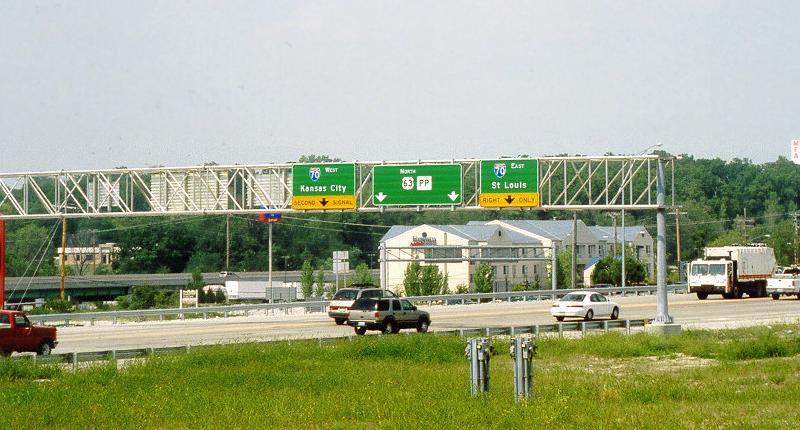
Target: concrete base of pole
[{"x": 662, "y": 329}]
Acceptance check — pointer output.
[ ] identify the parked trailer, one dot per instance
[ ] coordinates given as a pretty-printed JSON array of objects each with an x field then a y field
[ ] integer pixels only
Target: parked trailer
[
  {"x": 785, "y": 283},
  {"x": 258, "y": 291},
  {"x": 732, "y": 271}
]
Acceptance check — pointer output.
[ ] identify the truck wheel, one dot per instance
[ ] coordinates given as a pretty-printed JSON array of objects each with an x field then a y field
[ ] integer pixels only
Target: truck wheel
[
  {"x": 702, "y": 296},
  {"x": 777, "y": 296},
  {"x": 361, "y": 330},
  {"x": 615, "y": 313},
  {"x": 388, "y": 327},
  {"x": 737, "y": 292},
  {"x": 339, "y": 321},
  {"x": 589, "y": 315},
  {"x": 422, "y": 326},
  {"x": 44, "y": 349}
]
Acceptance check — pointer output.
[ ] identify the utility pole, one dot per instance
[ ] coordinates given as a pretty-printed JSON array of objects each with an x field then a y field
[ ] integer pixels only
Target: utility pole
[
  {"x": 285, "y": 269},
  {"x": 227, "y": 242},
  {"x": 61, "y": 259},
  {"x": 574, "y": 245},
  {"x": 269, "y": 277},
  {"x": 747, "y": 222},
  {"x": 678, "y": 214},
  {"x": 553, "y": 265},
  {"x": 796, "y": 230},
  {"x": 614, "y": 240}
]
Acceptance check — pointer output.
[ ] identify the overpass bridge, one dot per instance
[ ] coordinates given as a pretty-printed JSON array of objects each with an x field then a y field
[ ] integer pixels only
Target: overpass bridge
[{"x": 109, "y": 287}]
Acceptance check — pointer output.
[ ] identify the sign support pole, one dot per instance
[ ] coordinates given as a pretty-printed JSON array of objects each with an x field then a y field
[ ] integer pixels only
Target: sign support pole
[
  {"x": 269, "y": 276},
  {"x": 662, "y": 314}
]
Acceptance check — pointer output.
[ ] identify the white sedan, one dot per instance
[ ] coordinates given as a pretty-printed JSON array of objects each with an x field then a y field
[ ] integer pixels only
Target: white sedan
[{"x": 586, "y": 305}]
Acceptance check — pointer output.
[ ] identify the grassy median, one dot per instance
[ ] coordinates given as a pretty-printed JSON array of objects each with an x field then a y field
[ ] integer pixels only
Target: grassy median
[{"x": 748, "y": 378}]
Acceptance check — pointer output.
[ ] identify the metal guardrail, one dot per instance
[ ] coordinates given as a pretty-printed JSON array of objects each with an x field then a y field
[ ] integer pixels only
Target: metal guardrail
[
  {"x": 447, "y": 299},
  {"x": 76, "y": 358}
]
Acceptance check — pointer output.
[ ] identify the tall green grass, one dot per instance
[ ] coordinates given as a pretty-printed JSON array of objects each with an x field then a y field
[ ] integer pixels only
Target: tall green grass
[{"x": 744, "y": 378}]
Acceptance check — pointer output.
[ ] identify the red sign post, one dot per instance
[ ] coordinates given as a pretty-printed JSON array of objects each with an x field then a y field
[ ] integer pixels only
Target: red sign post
[{"x": 2, "y": 263}]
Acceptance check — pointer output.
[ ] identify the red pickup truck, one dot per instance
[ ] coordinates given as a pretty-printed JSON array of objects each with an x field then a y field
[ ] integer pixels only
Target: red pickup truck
[{"x": 18, "y": 334}]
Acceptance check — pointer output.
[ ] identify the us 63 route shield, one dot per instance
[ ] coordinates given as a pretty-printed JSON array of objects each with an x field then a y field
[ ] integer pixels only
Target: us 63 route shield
[
  {"x": 323, "y": 186},
  {"x": 417, "y": 184},
  {"x": 509, "y": 183}
]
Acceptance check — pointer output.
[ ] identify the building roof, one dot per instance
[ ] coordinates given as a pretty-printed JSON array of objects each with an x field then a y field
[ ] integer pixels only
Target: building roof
[
  {"x": 478, "y": 233},
  {"x": 630, "y": 233},
  {"x": 549, "y": 229},
  {"x": 396, "y": 230}
]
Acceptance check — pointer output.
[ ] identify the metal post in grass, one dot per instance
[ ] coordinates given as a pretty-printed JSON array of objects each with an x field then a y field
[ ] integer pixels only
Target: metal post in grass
[
  {"x": 478, "y": 352},
  {"x": 522, "y": 350}
]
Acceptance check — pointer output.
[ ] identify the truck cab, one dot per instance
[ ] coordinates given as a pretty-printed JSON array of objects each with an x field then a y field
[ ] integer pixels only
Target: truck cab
[
  {"x": 710, "y": 277},
  {"x": 17, "y": 333}
]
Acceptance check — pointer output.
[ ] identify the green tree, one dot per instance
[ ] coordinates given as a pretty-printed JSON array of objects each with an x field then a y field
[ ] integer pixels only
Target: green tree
[
  {"x": 362, "y": 276},
  {"x": 412, "y": 279},
  {"x": 432, "y": 282},
  {"x": 609, "y": 271},
  {"x": 24, "y": 249},
  {"x": 197, "y": 281},
  {"x": 564, "y": 268},
  {"x": 320, "y": 284},
  {"x": 484, "y": 278},
  {"x": 219, "y": 296},
  {"x": 307, "y": 279}
]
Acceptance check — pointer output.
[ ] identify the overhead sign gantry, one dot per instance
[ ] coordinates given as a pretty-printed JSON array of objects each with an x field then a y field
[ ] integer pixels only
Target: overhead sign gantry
[
  {"x": 544, "y": 183},
  {"x": 635, "y": 182}
]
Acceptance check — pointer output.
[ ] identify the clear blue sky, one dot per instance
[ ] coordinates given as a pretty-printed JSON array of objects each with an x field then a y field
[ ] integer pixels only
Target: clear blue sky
[{"x": 98, "y": 84}]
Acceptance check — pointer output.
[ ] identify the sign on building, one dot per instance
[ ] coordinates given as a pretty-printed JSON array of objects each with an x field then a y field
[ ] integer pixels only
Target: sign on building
[{"x": 796, "y": 151}]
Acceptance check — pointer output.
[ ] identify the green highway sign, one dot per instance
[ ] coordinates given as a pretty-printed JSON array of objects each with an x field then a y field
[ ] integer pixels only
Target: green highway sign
[
  {"x": 324, "y": 186},
  {"x": 416, "y": 184},
  {"x": 509, "y": 183}
]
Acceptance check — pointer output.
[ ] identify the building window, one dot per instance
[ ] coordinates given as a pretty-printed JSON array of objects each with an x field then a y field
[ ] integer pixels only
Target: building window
[
  {"x": 442, "y": 253},
  {"x": 505, "y": 270},
  {"x": 591, "y": 250},
  {"x": 602, "y": 249},
  {"x": 525, "y": 269}
]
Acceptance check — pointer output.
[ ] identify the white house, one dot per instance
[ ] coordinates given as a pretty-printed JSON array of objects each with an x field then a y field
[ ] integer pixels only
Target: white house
[
  {"x": 430, "y": 244},
  {"x": 554, "y": 232}
]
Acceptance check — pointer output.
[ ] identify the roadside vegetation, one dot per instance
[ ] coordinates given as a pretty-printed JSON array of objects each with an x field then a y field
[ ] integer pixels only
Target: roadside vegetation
[{"x": 747, "y": 378}]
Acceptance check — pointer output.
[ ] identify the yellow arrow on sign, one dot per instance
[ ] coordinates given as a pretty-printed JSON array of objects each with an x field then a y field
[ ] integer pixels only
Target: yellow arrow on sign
[
  {"x": 312, "y": 203},
  {"x": 509, "y": 200}
]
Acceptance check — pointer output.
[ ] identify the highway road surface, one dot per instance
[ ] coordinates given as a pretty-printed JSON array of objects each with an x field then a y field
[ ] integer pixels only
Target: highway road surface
[{"x": 685, "y": 309}]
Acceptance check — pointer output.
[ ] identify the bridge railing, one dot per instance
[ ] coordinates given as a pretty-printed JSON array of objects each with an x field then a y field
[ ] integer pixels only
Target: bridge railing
[{"x": 319, "y": 306}]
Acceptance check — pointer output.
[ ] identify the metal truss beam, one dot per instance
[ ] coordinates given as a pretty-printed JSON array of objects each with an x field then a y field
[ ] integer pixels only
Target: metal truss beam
[{"x": 565, "y": 183}]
